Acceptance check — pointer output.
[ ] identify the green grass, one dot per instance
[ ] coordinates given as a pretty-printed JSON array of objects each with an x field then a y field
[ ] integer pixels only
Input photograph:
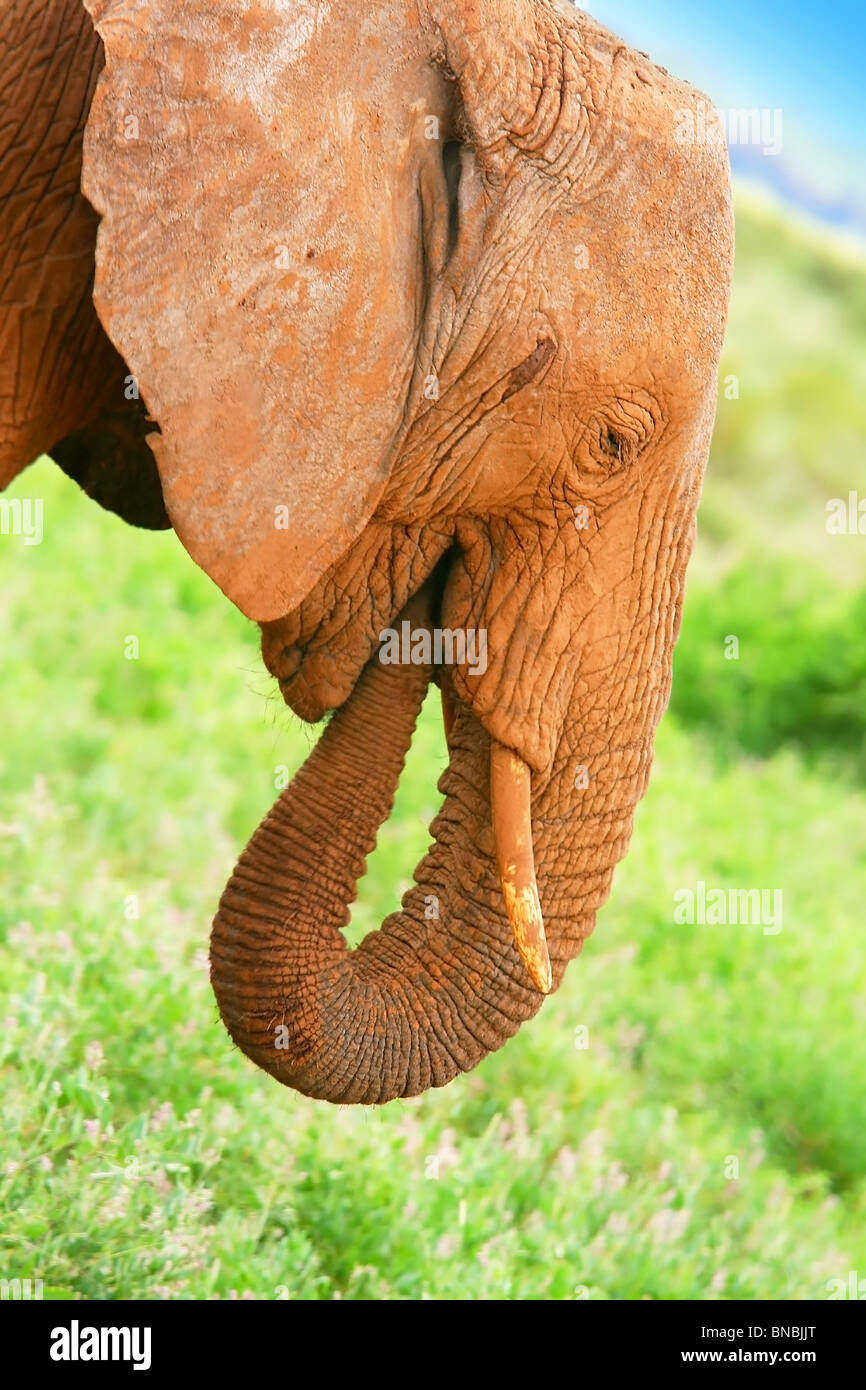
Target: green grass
[{"x": 709, "y": 1142}]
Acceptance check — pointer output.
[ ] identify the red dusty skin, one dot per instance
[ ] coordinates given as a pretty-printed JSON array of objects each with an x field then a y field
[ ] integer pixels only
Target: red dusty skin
[
  {"x": 441, "y": 983},
  {"x": 562, "y": 277},
  {"x": 423, "y": 998},
  {"x": 63, "y": 385}
]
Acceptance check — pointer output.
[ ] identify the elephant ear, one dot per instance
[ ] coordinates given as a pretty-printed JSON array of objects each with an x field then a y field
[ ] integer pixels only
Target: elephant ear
[{"x": 257, "y": 269}]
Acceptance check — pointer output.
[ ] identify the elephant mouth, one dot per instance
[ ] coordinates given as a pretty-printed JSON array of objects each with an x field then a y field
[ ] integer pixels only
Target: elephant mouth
[
  {"x": 318, "y": 652},
  {"x": 416, "y": 626},
  {"x": 313, "y": 682}
]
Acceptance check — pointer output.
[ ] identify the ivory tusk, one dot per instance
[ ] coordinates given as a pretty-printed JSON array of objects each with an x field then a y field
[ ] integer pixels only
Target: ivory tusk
[{"x": 512, "y": 836}]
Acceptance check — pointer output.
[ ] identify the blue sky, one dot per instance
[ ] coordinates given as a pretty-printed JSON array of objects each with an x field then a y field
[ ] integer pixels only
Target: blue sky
[{"x": 807, "y": 59}]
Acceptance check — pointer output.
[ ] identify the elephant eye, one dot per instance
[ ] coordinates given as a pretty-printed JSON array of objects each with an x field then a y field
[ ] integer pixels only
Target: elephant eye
[
  {"x": 613, "y": 445},
  {"x": 610, "y": 449},
  {"x": 611, "y": 438}
]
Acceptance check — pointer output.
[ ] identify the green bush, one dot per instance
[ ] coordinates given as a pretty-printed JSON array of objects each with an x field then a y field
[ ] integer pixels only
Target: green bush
[{"x": 799, "y": 673}]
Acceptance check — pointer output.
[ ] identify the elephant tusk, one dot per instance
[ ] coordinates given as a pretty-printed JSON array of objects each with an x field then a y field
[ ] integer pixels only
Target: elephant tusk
[{"x": 512, "y": 836}]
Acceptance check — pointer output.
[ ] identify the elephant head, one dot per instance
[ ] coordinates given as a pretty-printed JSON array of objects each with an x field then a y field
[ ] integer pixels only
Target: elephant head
[{"x": 427, "y": 299}]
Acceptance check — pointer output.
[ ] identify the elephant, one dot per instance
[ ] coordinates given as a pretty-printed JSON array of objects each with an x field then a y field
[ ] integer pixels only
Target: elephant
[
  {"x": 64, "y": 389},
  {"x": 426, "y": 300}
]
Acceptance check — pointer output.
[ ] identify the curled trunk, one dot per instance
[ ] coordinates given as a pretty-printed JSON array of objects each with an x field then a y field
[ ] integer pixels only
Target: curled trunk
[{"x": 441, "y": 983}]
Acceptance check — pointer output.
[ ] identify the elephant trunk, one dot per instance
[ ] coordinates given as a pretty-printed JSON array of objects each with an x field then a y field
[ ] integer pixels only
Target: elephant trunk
[{"x": 441, "y": 983}]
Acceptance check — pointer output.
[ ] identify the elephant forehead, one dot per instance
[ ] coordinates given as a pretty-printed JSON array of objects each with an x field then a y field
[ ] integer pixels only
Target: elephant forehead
[
  {"x": 638, "y": 299},
  {"x": 671, "y": 219}
]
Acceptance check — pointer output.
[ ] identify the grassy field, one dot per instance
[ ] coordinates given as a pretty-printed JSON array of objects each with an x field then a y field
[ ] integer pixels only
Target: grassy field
[{"x": 708, "y": 1143}]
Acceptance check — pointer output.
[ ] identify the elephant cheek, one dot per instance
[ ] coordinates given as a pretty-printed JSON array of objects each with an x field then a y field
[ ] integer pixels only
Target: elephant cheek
[{"x": 521, "y": 663}]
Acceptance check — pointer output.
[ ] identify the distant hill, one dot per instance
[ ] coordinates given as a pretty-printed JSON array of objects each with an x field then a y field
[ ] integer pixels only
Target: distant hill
[{"x": 847, "y": 212}]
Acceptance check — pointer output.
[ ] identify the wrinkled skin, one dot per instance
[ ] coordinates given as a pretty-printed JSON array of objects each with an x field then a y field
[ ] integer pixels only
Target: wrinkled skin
[
  {"x": 62, "y": 383},
  {"x": 560, "y": 265}
]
